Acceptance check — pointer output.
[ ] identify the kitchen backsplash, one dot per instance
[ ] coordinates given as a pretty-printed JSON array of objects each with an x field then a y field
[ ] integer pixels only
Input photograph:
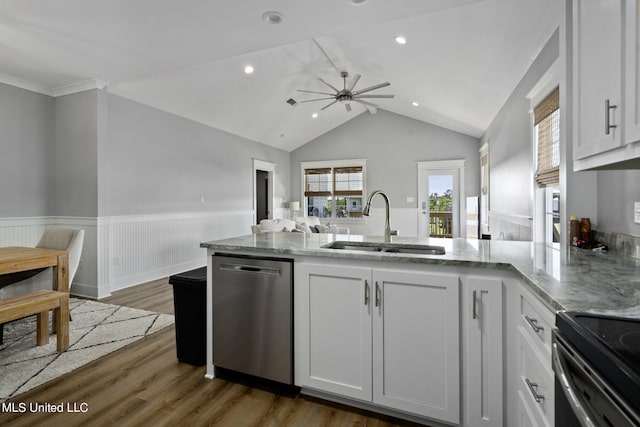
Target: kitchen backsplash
[{"x": 621, "y": 243}]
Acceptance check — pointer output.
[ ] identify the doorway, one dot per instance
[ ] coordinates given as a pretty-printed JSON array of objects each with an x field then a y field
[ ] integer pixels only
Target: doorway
[
  {"x": 263, "y": 190},
  {"x": 262, "y": 195},
  {"x": 439, "y": 188}
]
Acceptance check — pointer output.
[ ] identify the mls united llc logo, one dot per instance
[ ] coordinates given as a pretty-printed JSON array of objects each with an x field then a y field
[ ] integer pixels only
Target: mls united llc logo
[{"x": 23, "y": 407}]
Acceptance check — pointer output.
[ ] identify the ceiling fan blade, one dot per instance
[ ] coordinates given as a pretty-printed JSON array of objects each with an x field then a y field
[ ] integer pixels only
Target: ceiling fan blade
[
  {"x": 331, "y": 86},
  {"x": 328, "y": 105},
  {"x": 348, "y": 107},
  {"x": 353, "y": 83},
  {"x": 374, "y": 87},
  {"x": 370, "y": 104},
  {"x": 317, "y": 99},
  {"x": 319, "y": 93},
  {"x": 373, "y": 96}
]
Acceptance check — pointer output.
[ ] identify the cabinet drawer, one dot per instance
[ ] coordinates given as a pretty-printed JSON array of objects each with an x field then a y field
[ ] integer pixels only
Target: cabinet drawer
[
  {"x": 537, "y": 322},
  {"x": 535, "y": 380}
]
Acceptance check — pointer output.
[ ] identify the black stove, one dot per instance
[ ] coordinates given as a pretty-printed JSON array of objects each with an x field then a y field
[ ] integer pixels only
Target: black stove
[{"x": 610, "y": 345}]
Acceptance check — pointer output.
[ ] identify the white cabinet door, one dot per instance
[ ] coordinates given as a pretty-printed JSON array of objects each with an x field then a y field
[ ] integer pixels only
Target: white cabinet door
[
  {"x": 483, "y": 331},
  {"x": 632, "y": 73},
  {"x": 597, "y": 67},
  {"x": 416, "y": 349},
  {"x": 333, "y": 329}
]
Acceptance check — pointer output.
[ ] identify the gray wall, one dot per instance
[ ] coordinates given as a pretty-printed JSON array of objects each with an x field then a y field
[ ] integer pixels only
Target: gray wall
[
  {"x": 27, "y": 153},
  {"x": 510, "y": 152},
  {"x": 77, "y": 154},
  {"x": 155, "y": 162},
  {"x": 392, "y": 144}
]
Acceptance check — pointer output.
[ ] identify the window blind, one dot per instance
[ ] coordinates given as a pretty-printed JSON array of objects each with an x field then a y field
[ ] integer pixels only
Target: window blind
[
  {"x": 484, "y": 166},
  {"x": 317, "y": 182},
  {"x": 547, "y": 128},
  {"x": 348, "y": 181}
]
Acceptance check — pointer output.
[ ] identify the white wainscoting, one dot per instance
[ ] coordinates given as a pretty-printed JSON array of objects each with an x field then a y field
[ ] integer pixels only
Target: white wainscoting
[{"x": 123, "y": 251}]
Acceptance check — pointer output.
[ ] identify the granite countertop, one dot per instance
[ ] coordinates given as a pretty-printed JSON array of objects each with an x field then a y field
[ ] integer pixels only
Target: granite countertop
[{"x": 567, "y": 278}]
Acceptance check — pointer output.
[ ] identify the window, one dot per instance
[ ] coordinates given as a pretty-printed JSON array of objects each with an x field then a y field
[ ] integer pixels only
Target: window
[
  {"x": 547, "y": 139},
  {"x": 333, "y": 189}
]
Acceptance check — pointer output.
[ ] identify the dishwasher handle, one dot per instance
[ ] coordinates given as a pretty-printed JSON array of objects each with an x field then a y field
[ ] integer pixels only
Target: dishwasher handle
[{"x": 253, "y": 269}]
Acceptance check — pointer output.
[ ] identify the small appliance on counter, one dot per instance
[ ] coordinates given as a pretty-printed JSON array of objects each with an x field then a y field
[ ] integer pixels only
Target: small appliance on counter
[{"x": 596, "y": 360}]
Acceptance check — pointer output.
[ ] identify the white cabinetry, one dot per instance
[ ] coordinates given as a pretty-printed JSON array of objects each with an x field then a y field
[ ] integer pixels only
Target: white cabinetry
[
  {"x": 484, "y": 338},
  {"x": 333, "y": 329},
  {"x": 605, "y": 84},
  {"x": 531, "y": 381},
  {"x": 382, "y": 336}
]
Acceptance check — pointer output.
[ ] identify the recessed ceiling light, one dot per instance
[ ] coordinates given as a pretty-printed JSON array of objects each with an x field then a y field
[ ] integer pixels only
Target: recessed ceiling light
[
  {"x": 401, "y": 40},
  {"x": 273, "y": 17},
  {"x": 248, "y": 69},
  {"x": 415, "y": 104},
  {"x": 314, "y": 116}
]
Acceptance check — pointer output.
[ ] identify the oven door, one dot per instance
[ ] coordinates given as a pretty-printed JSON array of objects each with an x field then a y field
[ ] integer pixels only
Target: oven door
[{"x": 583, "y": 398}]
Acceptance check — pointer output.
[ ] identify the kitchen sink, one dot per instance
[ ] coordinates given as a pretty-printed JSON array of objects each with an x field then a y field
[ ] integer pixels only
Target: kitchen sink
[{"x": 387, "y": 247}]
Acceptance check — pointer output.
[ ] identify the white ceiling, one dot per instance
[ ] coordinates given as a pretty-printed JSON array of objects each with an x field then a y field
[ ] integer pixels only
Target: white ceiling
[{"x": 462, "y": 60}]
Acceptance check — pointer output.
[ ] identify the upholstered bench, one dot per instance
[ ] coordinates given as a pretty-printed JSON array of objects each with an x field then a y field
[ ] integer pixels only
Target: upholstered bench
[{"x": 39, "y": 303}]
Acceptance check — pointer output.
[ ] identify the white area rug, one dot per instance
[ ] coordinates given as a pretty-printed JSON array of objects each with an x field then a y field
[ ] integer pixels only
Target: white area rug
[{"x": 96, "y": 330}]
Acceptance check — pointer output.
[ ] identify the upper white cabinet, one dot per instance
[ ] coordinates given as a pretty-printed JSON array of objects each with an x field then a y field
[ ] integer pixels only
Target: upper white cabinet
[
  {"x": 605, "y": 84},
  {"x": 387, "y": 337}
]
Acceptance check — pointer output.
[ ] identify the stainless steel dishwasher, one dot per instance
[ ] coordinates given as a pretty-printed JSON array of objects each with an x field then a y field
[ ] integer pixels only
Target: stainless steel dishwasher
[{"x": 253, "y": 316}]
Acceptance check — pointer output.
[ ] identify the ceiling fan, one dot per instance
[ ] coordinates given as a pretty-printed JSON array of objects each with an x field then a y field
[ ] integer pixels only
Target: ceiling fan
[{"x": 347, "y": 94}]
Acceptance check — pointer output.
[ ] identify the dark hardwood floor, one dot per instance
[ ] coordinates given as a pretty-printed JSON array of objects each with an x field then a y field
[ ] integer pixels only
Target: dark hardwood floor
[{"x": 143, "y": 384}]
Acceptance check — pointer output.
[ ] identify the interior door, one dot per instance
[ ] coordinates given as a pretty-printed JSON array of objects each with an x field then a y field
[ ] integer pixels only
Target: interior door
[
  {"x": 439, "y": 203},
  {"x": 262, "y": 195}
]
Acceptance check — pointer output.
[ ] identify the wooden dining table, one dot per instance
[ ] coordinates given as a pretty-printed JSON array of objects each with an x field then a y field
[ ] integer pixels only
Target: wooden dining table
[{"x": 17, "y": 259}]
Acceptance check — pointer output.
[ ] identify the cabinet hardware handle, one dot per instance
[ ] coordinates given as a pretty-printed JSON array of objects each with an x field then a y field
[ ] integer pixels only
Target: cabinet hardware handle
[
  {"x": 366, "y": 292},
  {"x": 534, "y": 324},
  {"x": 377, "y": 294},
  {"x": 533, "y": 389},
  {"x": 475, "y": 310},
  {"x": 607, "y": 116}
]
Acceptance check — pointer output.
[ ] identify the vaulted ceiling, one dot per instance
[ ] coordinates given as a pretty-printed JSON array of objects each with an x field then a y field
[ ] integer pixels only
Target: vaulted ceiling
[{"x": 461, "y": 61}]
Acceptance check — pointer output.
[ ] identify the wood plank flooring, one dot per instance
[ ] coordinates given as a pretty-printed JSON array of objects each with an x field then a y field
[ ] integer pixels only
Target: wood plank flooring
[{"x": 143, "y": 384}]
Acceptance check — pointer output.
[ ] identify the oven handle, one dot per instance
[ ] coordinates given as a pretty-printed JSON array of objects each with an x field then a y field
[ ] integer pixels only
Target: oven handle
[{"x": 575, "y": 402}]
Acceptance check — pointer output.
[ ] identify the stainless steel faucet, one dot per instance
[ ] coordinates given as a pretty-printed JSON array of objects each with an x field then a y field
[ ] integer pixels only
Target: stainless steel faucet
[{"x": 387, "y": 228}]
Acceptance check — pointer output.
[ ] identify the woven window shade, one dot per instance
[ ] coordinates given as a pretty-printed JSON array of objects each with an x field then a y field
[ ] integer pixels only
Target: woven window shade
[
  {"x": 348, "y": 181},
  {"x": 484, "y": 166},
  {"x": 317, "y": 182},
  {"x": 547, "y": 123}
]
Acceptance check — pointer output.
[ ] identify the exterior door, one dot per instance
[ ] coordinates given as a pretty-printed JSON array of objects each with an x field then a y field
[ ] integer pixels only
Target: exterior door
[{"x": 439, "y": 201}]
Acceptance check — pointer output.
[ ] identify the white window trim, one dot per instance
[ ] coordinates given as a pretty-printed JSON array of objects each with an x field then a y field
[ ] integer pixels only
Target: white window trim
[
  {"x": 549, "y": 80},
  {"x": 334, "y": 164}
]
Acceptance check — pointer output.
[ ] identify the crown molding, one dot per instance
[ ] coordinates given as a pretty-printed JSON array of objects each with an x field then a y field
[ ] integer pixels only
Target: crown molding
[
  {"x": 24, "y": 84},
  {"x": 79, "y": 87}
]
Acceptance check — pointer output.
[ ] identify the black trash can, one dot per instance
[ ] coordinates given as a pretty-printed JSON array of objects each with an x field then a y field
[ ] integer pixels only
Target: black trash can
[{"x": 189, "y": 303}]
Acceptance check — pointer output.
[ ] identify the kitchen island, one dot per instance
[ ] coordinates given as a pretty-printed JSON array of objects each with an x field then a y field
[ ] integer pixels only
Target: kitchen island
[
  {"x": 462, "y": 338},
  {"x": 565, "y": 277}
]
